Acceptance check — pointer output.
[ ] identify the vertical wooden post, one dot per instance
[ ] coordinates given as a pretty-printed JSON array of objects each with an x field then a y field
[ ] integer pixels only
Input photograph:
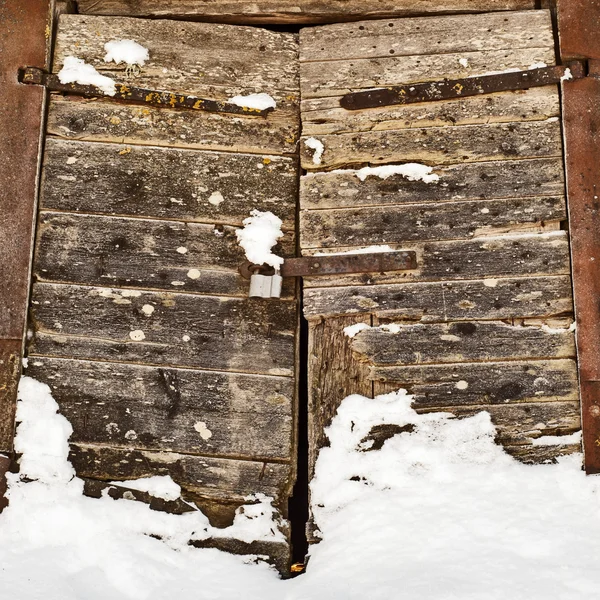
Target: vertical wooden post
[
  {"x": 24, "y": 42},
  {"x": 578, "y": 31}
]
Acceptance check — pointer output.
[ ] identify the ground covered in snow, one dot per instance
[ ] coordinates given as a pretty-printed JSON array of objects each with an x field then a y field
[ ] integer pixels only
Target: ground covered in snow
[{"x": 439, "y": 512}]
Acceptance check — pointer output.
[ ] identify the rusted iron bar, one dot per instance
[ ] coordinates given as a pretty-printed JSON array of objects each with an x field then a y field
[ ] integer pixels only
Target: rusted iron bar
[
  {"x": 24, "y": 40},
  {"x": 581, "y": 121},
  {"x": 137, "y": 95},
  {"x": 338, "y": 264},
  {"x": 449, "y": 89}
]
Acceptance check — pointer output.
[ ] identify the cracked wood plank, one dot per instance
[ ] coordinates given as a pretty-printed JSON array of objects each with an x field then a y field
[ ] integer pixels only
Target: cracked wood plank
[
  {"x": 411, "y": 344},
  {"x": 489, "y": 257},
  {"x": 425, "y": 222},
  {"x": 437, "y": 145},
  {"x": 297, "y": 11},
  {"x": 167, "y": 183},
  {"x": 148, "y": 254},
  {"x": 504, "y": 298},
  {"x": 162, "y": 328},
  {"x": 167, "y": 409}
]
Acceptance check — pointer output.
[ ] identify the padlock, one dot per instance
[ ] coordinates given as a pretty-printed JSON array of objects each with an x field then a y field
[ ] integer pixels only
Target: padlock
[
  {"x": 260, "y": 286},
  {"x": 276, "y": 283}
]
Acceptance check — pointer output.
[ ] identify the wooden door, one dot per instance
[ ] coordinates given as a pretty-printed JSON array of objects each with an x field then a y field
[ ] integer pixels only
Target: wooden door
[
  {"x": 483, "y": 323},
  {"x": 140, "y": 322}
]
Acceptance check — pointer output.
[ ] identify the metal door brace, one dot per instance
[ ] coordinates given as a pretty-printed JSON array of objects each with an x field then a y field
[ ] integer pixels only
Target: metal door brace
[
  {"x": 136, "y": 95},
  {"x": 449, "y": 89}
]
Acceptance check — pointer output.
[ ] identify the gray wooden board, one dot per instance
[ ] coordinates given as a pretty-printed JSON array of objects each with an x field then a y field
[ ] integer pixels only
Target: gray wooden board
[
  {"x": 141, "y": 253},
  {"x": 217, "y": 479},
  {"x": 487, "y": 257},
  {"x": 427, "y": 35},
  {"x": 169, "y": 183},
  {"x": 338, "y": 77},
  {"x": 105, "y": 121},
  {"x": 321, "y": 116},
  {"x": 229, "y": 334},
  {"x": 438, "y": 145},
  {"x": 459, "y": 342},
  {"x": 217, "y": 61},
  {"x": 285, "y": 11},
  {"x": 465, "y": 383},
  {"x": 180, "y": 410},
  {"x": 493, "y": 299},
  {"x": 421, "y": 222},
  {"x": 462, "y": 181},
  {"x": 530, "y": 454}
]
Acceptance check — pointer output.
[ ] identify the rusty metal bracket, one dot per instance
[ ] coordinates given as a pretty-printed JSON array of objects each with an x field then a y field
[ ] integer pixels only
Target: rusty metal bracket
[
  {"x": 449, "y": 89},
  {"x": 137, "y": 95},
  {"x": 337, "y": 264}
]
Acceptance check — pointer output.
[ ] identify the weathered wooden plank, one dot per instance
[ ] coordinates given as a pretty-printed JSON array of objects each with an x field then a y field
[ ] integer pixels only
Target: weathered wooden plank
[
  {"x": 338, "y": 77},
  {"x": 169, "y": 183},
  {"x": 427, "y": 35},
  {"x": 462, "y": 181},
  {"x": 195, "y": 58},
  {"x": 410, "y": 344},
  {"x": 151, "y": 254},
  {"x": 104, "y": 121},
  {"x": 322, "y": 116},
  {"x": 161, "y": 328},
  {"x": 10, "y": 371},
  {"x": 195, "y": 412},
  {"x": 532, "y": 455},
  {"x": 492, "y": 383},
  {"x": 458, "y": 300},
  {"x": 419, "y": 222},
  {"x": 489, "y": 257},
  {"x": 299, "y": 11},
  {"x": 216, "y": 479},
  {"x": 438, "y": 145}
]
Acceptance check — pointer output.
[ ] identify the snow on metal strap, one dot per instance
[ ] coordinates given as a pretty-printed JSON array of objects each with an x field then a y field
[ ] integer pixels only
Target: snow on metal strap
[
  {"x": 137, "y": 95},
  {"x": 461, "y": 88}
]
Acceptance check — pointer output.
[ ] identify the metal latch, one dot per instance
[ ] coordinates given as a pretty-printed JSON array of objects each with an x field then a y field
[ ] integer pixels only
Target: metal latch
[
  {"x": 137, "y": 95},
  {"x": 265, "y": 282},
  {"x": 461, "y": 88}
]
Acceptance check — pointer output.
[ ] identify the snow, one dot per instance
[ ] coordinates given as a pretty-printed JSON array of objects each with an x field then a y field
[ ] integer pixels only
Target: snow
[
  {"x": 410, "y": 171},
  {"x": 260, "y": 101},
  {"x": 538, "y": 65},
  {"x": 75, "y": 70},
  {"x": 365, "y": 250},
  {"x": 260, "y": 233},
  {"x": 439, "y": 512},
  {"x": 568, "y": 75},
  {"x": 464, "y": 62},
  {"x": 126, "y": 51},
  {"x": 317, "y": 146},
  {"x": 353, "y": 330},
  {"x": 557, "y": 440},
  {"x": 159, "y": 486}
]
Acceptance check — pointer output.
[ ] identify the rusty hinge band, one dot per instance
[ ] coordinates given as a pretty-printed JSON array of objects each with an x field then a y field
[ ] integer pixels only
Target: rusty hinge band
[
  {"x": 137, "y": 95},
  {"x": 339, "y": 264},
  {"x": 461, "y": 88}
]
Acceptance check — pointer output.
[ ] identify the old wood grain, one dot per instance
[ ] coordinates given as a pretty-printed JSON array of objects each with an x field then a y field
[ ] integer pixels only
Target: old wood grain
[
  {"x": 169, "y": 183},
  {"x": 179, "y": 410},
  {"x": 428, "y": 35},
  {"x": 461, "y": 181},
  {"x": 419, "y": 222},
  {"x": 217, "y": 479},
  {"x": 458, "y": 300},
  {"x": 105, "y": 121},
  {"x": 532, "y": 455},
  {"x": 338, "y": 77},
  {"x": 298, "y": 11},
  {"x": 322, "y": 116},
  {"x": 141, "y": 253},
  {"x": 194, "y": 58},
  {"x": 229, "y": 334},
  {"x": 438, "y": 145},
  {"x": 419, "y": 343},
  {"x": 489, "y": 257}
]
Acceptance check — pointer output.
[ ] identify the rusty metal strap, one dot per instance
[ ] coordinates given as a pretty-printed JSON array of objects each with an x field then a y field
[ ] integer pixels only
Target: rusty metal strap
[
  {"x": 461, "y": 88},
  {"x": 137, "y": 95}
]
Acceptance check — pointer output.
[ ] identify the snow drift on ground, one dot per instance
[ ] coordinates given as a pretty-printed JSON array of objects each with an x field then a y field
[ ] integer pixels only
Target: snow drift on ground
[{"x": 439, "y": 512}]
